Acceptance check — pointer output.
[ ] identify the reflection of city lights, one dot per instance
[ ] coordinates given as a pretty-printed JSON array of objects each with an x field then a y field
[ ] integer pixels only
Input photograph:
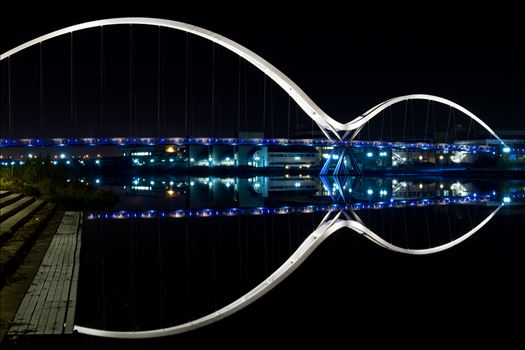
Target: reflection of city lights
[{"x": 457, "y": 157}]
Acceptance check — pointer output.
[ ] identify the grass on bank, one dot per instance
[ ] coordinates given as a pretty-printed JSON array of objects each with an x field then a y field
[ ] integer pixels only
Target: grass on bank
[{"x": 40, "y": 178}]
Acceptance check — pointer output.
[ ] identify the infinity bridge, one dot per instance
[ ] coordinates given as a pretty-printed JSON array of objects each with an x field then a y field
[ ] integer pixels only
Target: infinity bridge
[{"x": 342, "y": 135}]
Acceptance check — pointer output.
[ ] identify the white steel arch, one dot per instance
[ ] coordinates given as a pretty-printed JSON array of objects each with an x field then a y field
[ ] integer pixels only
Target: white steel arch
[
  {"x": 358, "y": 122},
  {"x": 294, "y": 91},
  {"x": 323, "y": 231},
  {"x": 323, "y": 120}
]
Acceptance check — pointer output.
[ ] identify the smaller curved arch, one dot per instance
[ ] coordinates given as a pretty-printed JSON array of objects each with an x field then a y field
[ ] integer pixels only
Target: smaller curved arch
[
  {"x": 360, "y": 228},
  {"x": 374, "y": 111}
]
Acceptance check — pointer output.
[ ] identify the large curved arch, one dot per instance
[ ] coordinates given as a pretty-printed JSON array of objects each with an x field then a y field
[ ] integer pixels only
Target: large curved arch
[
  {"x": 324, "y": 121},
  {"x": 322, "y": 232},
  {"x": 358, "y": 122}
]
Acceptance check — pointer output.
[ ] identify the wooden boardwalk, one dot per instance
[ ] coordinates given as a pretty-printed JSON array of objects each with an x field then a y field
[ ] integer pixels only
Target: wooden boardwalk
[{"x": 49, "y": 304}]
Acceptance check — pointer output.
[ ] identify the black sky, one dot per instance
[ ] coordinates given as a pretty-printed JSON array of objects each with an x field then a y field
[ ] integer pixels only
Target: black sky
[{"x": 347, "y": 60}]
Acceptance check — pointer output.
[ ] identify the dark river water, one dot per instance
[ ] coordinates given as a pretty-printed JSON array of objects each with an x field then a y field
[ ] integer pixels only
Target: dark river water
[{"x": 178, "y": 248}]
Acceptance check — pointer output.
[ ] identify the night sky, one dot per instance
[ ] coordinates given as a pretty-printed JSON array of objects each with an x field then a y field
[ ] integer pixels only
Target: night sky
[{"x": 346, "y": 60}]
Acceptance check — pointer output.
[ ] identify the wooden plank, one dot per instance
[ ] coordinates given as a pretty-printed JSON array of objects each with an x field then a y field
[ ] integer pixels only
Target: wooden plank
[
  {"x": 42, "y": 309},
  {"x": 26, "y": 308},
  {"x": 48, "y": 316},
  {"x": 49, "y": 305},
  {"x": 63, "y": 279},
  {"x": 72, "y": 299}
]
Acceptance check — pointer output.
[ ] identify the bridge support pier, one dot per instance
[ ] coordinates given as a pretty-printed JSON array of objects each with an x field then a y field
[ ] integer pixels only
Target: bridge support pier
[
  {"x": 341, "y": 188},
  {"x": 343, "y": 158}
]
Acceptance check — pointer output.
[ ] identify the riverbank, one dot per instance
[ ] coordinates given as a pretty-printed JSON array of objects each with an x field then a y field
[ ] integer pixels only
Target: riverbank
[{"x": 35, "y": 236}]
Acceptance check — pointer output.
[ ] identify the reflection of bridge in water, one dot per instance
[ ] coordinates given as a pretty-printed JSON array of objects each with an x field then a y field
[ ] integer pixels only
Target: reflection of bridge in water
[{"x": 337, "y": 217}]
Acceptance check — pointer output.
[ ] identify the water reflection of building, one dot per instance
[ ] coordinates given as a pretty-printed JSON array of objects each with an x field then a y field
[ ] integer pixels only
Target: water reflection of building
[
  {"x": 262, "y": 191},
  {"x": 203, "y": 192}
]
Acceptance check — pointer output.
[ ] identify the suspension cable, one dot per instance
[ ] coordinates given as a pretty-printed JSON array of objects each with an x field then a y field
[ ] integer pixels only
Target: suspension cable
[
  {"x": 186, "y": 86},
  {"x": 72, "y": 86},
  {"x": 213, "y": 90},
  {"x": 448, "y": 124},
  {"x": 405, "y": 119},
  {"x": 9, "y": 99},
  {"x": 131, "y": 79},
  {"x": 288, "y": 128},
  {"x": 158, "y": 80},
  {"x": 426, "y": 119},
  {"x": 296, "y": 121},
  {"x": 245, "y": 75},
  {"x": 271, "y": 109},
  {"x": 102, "y": 68},
  {"x": 239, "y": 96},
  {"x": 41, "y": 75},
  {"x": 264, "y": 106}
]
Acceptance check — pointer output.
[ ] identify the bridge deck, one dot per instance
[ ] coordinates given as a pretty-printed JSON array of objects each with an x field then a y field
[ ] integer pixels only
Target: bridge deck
[
  {"x": 208, "y": 141},
  {"x": 49, "y": 305}
]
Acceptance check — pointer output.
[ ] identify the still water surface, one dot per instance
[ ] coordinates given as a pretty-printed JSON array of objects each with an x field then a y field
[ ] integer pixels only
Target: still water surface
[{"x": 178, "y": 248}]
